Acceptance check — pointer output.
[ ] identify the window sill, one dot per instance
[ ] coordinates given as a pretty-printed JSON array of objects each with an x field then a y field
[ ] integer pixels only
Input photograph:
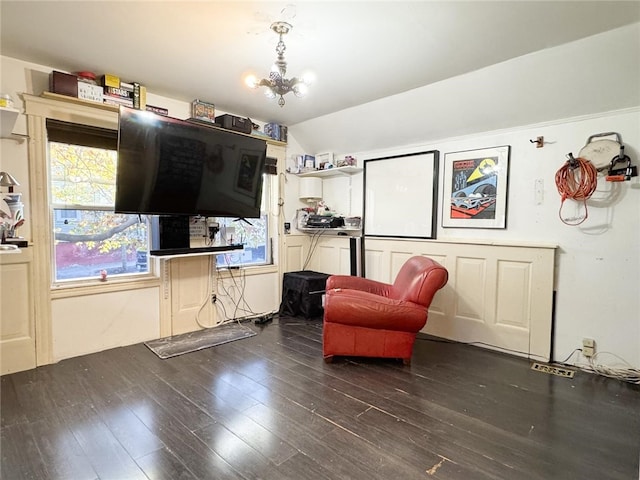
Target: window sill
[{"x": 98, "y": 287}]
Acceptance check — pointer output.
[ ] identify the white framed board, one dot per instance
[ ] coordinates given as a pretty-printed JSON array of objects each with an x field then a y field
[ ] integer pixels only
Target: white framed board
[{"x": 401, "y": 196}]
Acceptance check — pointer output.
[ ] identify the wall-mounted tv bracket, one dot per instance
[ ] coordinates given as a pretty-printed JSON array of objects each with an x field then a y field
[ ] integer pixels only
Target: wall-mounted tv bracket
[{"x": 623, "y": 173}]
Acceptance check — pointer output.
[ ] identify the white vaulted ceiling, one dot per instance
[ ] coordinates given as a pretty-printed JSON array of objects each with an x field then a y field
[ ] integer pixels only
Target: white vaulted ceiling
[{"x": 358, "y": 51}]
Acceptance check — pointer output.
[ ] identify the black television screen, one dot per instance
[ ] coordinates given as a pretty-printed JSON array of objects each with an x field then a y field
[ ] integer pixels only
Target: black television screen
[{"x": 168, "y": 166}]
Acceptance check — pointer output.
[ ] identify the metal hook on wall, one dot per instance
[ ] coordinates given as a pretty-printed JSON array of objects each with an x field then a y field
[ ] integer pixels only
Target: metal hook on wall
[{"x": 539, "y": 141}]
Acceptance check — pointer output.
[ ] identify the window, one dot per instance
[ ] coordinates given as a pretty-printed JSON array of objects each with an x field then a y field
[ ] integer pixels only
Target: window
[
  {"x": 252, "y": 233},
  {"x": 88, "y": 236}
]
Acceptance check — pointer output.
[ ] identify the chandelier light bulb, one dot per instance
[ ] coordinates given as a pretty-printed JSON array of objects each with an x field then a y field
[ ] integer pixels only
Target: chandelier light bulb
[
  {"x": 251, "y": 81},
  {"x": 300, "y": 89},
  {"x": 308, "y": 78}
]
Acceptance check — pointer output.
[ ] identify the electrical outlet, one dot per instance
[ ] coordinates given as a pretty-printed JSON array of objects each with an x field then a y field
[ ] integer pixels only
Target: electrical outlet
[{"x": 588, "y": 347}]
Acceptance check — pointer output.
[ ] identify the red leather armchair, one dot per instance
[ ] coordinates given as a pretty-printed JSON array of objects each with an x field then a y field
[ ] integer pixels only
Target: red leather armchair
[{"x": 366, "y": 318}]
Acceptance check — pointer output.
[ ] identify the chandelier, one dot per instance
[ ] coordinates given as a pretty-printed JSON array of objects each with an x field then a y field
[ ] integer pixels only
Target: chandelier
[{"x": 277, "y": 84}]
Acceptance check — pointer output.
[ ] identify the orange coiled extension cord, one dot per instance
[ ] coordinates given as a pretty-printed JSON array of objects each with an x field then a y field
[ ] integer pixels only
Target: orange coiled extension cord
[{"x": 577, "y": 179}]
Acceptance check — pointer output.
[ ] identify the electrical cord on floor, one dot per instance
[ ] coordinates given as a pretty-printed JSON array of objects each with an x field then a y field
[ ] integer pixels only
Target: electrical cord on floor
[
  {"x": 626, "y": 374},
  {"x": 242, "y": 288},
  {"x": 220, "y": 304},
  {"x": 564, "y": 362},
  {"x": 577, "y": 179},
  {"x": 241, "y": 306},
  {"x": 227, "y": 293},
  {"x": 260, "y": 318},
  {"x": 207, "y": 298}
]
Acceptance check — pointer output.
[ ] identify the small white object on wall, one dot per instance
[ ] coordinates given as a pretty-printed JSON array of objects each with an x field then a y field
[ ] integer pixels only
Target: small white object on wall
[{"x": 310, "y": 189}]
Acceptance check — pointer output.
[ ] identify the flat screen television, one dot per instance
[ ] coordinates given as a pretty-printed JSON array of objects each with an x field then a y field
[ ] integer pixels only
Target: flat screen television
[{"x": 168, "y": 166}]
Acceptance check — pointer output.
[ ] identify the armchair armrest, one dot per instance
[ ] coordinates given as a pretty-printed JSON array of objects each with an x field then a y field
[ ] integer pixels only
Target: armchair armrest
[{"x": 358, "y": 283}]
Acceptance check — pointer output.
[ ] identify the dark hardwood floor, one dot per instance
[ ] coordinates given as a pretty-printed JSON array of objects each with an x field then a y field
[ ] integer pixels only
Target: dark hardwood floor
[{"x": 268, "y": 407}]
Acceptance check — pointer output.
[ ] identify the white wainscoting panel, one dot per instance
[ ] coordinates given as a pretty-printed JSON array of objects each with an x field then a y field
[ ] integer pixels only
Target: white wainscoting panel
[
  {"x": 332, "y": 255},
  {"x": 470, "y": 285},
  {"x": 190, "y": 293},
  {"x": 325, "y": 253},
  {"x": 17, "y": 324},
  {"x": 498, "y": 296},
  {"x": 295, "y": 251}
]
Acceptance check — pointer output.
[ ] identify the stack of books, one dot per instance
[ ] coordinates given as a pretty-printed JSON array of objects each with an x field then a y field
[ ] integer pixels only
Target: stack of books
[
  {"x": 122, "y": 95},
  {"x": 132, "y": 95}
]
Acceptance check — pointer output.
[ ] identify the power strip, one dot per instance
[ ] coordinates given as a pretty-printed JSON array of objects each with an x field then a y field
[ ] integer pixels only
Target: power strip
[{"x": 264, "y": 319}]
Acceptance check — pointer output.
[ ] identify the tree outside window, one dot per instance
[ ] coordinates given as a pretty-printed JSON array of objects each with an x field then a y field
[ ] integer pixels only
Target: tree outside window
[{"x": 89, "y": 236}]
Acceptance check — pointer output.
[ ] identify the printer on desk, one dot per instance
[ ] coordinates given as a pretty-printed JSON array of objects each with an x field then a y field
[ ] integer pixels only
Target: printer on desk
[{"x": 324, "y": 221}]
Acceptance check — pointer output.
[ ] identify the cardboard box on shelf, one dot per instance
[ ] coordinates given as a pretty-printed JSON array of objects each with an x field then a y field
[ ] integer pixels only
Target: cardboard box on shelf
[{"x": 63, "y": 83}]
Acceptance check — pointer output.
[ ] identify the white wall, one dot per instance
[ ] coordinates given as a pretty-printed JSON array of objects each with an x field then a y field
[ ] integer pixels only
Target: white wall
[
  {"x": 597, "y": 263},
  {"x": 93, "y": 323}
]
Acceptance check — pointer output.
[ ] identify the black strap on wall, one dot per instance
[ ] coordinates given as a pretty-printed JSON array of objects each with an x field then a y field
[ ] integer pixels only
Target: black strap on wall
[{"x": 271, "y": 166}]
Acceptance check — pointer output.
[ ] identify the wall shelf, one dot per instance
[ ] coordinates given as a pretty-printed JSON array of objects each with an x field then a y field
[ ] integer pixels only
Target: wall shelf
[
  {"x": 8, "y": 117},
  {"x": 113, "y": 108},
  {"x": 331, "y": 172}
]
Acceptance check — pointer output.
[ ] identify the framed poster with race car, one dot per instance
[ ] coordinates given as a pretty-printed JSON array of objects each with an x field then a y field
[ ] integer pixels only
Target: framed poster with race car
[{"x": 476, "y": 188}]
